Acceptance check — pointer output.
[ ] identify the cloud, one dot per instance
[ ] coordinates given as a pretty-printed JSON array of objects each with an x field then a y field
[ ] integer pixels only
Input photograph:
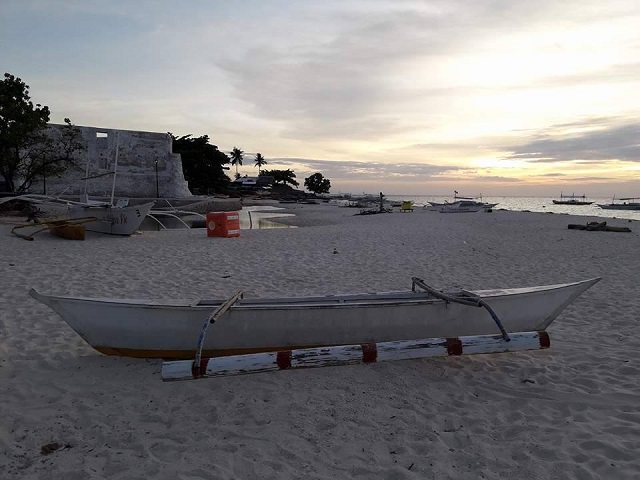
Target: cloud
[
  {"x": 481, "y": 179},
  {"x": 360, "y": 78},
  {"x": 610, "y": 143},
  {"x": 345, "y": 168}
]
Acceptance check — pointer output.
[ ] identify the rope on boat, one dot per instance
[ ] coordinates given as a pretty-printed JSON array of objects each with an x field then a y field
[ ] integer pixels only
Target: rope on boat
[
  {"x": 217, "y": 313},
  {"x": 474, "y": 301}
]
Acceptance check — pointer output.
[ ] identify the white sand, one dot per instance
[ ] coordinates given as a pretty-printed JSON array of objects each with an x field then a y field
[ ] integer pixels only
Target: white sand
[{"x": 570, "y": 412}]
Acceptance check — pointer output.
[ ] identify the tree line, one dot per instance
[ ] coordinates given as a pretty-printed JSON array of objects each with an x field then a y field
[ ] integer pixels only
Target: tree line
[
  {"x": 30, "y": 150},
  {"x": 204, "y": 164}
]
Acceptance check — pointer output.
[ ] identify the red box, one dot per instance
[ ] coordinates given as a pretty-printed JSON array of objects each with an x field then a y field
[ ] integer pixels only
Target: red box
[{"x": 223, "y": 224}]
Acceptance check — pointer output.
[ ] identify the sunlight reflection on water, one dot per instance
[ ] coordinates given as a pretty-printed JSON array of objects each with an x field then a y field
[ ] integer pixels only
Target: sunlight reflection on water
[{"x": 536, "y": 204}]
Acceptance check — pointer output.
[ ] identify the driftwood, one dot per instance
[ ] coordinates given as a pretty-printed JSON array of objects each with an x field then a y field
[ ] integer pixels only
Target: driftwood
[
  {"x": 598, "y": 227},
  {"x": 373, "y": 211}
]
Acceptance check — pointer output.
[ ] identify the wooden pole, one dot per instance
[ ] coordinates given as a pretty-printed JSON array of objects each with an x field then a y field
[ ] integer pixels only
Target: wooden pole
[
  {"x": 352, "y": 354},
  {"x": 115, "y": 167}
]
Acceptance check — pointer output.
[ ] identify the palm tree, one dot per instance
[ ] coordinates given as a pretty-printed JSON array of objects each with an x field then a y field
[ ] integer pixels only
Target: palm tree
[
  {"x": 260, "y": 161},
  {"x": 236, "y": 158}
]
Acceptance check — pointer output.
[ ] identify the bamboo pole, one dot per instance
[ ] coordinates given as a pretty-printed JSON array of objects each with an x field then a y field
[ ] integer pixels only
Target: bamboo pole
[
  {"x": 217, "y": 313},
  {"x": 352, "y": 354}
]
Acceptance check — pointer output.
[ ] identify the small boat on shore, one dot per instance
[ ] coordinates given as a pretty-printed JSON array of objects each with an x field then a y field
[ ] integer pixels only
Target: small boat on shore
[
  {"x": 572, "y": 200},
  {"x": 170, "y": 328},
  {"x": 114, "y": 219},
  {"x": 628, "y": 203},
  {"x": 461, "y": 204}
]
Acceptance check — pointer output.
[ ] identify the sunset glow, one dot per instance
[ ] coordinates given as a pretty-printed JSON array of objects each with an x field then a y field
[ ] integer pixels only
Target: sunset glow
[{"x": 403, "y": 97}]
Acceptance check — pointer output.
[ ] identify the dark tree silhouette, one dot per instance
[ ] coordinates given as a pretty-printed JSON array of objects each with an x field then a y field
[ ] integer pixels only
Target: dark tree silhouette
[
  {"x": 316, "y": 183},
  {"x": 260, "y": 162},
  {"x": 29, "y": 149},
  {"x": 236, "y": 158},
  {"x": 281, "y": 177},
  {"x": 202, "y": 164}
]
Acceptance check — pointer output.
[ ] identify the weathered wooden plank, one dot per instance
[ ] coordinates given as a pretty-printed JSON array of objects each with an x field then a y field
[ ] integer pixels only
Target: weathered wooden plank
[{"x": 352, "y": 354}]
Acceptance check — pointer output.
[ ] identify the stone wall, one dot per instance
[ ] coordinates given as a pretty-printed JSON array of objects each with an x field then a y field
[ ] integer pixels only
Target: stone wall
[{"x": 146, "y": 166}]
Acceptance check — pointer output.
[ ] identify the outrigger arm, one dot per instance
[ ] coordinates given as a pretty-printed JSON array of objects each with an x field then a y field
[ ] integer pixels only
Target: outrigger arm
[
  {"x": 217, "y": 313},
  {"x": 474, "y": 301}
]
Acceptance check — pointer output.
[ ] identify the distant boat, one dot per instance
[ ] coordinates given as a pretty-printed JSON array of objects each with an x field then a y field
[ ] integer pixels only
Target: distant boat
[
  {"x": 626, "y": 205},
  {"x": 461, "y": 204},
  {"x": 572, "y": 200}
]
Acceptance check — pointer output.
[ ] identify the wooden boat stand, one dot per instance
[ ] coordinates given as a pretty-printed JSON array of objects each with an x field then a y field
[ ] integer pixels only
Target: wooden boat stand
[
  {"x": 472, "y": 301},
  {"x": 57, "y": 227},
  {"x": 353, "y": 354}
]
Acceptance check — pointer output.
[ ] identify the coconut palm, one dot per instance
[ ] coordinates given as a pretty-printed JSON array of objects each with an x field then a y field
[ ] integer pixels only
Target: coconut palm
[
  {"x": 236, "y": 158},
  {"x": 260, "y": 161}
]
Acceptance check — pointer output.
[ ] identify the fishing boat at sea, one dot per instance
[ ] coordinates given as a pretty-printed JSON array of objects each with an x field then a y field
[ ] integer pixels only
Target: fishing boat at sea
[
  {"x": 171, "y": 328},
  {"x": 572, "y": 200},
  {"x": 628, "y": 203}
]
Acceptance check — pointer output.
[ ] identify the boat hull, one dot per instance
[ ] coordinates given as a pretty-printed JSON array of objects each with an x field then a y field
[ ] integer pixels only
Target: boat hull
[
  {"x": 170, "y": 329},
  {"x": 460, "y": 209},
  {"x": 621, "y": 206},
  {"x": 569, "y": 202},
  {"x": 112, "y": 219}
]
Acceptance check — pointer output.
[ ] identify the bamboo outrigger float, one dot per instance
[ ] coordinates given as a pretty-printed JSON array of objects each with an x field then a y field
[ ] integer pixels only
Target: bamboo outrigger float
[{"x": 351, "y": 355}]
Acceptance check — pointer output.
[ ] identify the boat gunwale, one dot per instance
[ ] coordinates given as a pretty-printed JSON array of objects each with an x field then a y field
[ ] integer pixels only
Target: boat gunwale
[{"x": 360, "y": 300}]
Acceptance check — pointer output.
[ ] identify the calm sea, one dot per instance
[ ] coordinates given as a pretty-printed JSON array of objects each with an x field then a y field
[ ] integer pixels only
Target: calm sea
[{"x": 533, "y": 204}]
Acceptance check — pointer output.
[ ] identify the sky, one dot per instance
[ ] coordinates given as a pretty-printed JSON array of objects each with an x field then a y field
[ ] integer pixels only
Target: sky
[{"x": 491, "y": 97}]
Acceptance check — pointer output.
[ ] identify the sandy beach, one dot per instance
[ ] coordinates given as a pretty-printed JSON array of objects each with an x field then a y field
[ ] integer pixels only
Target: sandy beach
[{"x": 570, "y": 412}]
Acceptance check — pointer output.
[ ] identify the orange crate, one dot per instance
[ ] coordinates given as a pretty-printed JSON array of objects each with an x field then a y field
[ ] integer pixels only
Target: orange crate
[{"x": 223, "y": 224}]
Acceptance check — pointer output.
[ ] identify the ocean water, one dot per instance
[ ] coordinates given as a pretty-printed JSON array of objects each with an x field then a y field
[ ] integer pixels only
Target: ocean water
[{"x": 532, "y": 204}]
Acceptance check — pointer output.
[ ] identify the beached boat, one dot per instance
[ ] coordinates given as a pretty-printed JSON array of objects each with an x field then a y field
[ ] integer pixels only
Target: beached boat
[
  {"x": 112, "y": 219},
  {"x": 629, "y": 203},
  {"x": 572, "y": 200},
  {"x": 118, "y": 219},
  {"x": 462, "y": 206},
  {"x": 170, "y": 328}
]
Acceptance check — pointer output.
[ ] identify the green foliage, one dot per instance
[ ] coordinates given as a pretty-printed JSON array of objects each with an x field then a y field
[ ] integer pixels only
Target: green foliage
[
  {"x": 281, "y": 176},
  {"x": 260, "y": 162},
  {"x": 202, "y": 164},
  {"x": 29, "y": 148},
  {"x": 316, "y": 183}
]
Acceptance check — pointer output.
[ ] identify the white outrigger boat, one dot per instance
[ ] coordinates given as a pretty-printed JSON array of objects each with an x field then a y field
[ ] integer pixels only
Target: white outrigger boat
[
  {"x": 629, "y": 203},
  {"x": 170, "y": 328},
  {"x": 461, "y": 205},
  {"x": 114, "y": 219}
]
